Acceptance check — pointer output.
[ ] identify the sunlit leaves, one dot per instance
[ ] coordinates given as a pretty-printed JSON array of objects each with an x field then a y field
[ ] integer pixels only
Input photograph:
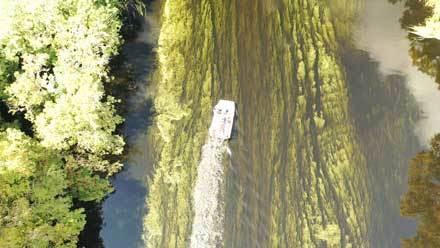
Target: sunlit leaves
[
  {"x": 82, "y": 120},
  {"x": 30, "y": 89},
  {"x": 431, "y": 27},
  {"x": 64, "y": 48},
  {"x": 54, "y": 59}
]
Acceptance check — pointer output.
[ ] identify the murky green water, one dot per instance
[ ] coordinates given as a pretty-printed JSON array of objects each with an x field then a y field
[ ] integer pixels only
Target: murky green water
[{"x": 325, "y": 130}]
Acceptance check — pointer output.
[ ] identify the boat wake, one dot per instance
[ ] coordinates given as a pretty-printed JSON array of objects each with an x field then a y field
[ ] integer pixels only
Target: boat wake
[{"x": 207, "y": 229}]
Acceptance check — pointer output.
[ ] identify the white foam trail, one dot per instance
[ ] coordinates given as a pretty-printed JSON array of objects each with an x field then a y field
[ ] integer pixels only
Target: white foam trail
[{"x": 207, "y": 230}]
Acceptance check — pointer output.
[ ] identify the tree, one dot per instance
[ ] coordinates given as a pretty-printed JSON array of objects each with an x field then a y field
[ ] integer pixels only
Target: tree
[
  {"x": 62, "y": 49},
  {"x": 431, "y": 28},
  {"x": 34, "y": 206},
  {"x": 424, "y": 48},
  {"x": 54, "y": 59},
  {"x": 423, "y": 197}
]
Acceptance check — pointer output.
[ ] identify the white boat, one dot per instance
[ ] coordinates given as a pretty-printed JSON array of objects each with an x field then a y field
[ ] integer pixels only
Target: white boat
[{"x": 222, "y": 121}]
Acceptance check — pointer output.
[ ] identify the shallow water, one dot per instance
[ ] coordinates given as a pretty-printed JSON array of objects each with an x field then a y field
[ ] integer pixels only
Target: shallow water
[{"x": 329, "y": 116}]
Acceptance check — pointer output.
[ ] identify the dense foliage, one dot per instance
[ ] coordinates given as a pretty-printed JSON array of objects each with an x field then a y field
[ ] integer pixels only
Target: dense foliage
[
  {"x": 425, "y": 52},
  {"x": 35, "y": 207},
  {"x": 54, "y": 62},
  {"x": 423, "y": 197},
  {"x": 62, "y": 49}
]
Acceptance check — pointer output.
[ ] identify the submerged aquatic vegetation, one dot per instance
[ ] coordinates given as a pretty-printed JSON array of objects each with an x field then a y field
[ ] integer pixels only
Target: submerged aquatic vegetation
[{"x": 297, "y": 177}]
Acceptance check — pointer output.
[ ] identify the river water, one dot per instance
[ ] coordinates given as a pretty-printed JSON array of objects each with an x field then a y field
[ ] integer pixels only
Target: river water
[
  {"x": 122, "y": 211},
  {"x": 330, "y": 111}
]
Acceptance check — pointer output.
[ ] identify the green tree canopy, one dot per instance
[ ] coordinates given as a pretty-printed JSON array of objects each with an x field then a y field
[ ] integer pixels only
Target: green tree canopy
[
  {"x": 53, "y": 64},
  {"x": 424, "y": 48},
  {"x": 34, "y": 207},
  {"x": 423, "y": 197}
]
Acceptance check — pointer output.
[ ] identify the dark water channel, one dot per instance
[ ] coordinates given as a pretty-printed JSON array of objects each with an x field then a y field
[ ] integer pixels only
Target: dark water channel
[
  {"x": 327, "y": 125},
  {"x": 122, "y": 211}
]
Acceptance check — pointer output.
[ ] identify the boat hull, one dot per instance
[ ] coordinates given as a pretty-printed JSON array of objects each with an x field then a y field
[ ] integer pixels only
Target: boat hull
[{"x": 222, "y": 120}]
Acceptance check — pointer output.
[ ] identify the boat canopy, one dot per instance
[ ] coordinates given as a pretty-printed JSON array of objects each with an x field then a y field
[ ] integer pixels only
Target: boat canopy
[{"x": 222, "y": 120}]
